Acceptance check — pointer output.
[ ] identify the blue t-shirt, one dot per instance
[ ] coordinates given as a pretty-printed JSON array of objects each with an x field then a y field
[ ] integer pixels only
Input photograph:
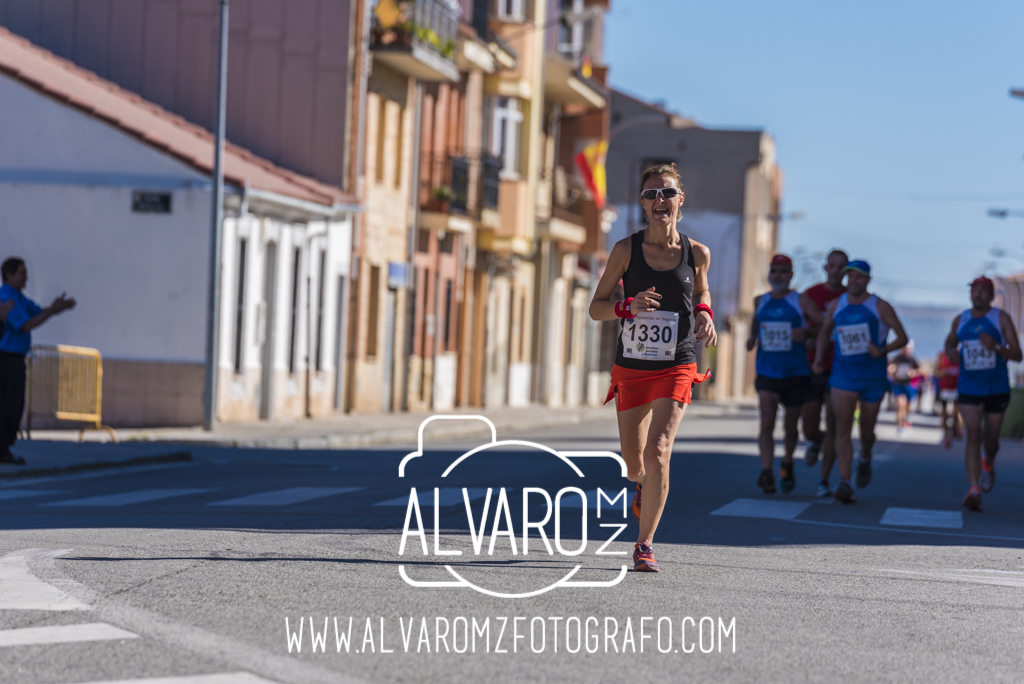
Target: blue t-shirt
[
  {"x": 778, "y": 356},
  {"x": 855, "y": 326},
  {"x": 982, "y": 371},
  {"x": 15, "y": 342}
]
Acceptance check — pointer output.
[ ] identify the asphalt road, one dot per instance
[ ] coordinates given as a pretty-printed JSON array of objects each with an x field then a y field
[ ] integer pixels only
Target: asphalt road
[{"x": 190, "y": 571}]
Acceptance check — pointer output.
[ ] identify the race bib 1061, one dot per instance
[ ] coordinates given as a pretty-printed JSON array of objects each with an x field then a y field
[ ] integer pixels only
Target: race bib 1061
[
  {"x": 777, "y": 336},
  {"x": 651, "y": 335},
  {"x": 976, "y": 356},
  {"x": 853, "y": 339}
]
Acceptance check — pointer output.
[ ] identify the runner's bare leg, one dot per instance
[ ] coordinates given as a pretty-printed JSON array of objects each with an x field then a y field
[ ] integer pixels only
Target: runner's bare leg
[
  {"x": 844, "y": 404},
  {"x": 666, "y": 415},
  {"x": 973, "y": 415},
  {"x": 633, "y": 426},
  {"x": 765, "y": 436}
]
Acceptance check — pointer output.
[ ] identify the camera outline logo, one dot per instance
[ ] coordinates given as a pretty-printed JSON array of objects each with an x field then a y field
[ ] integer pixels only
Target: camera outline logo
[{"x": 413, "y": 509}]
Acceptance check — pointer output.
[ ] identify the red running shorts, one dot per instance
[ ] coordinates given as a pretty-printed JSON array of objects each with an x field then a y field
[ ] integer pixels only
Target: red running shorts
[{"x": 639, "y": 387}]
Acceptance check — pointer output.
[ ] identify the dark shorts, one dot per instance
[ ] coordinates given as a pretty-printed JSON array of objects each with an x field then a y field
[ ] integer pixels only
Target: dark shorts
[
  {"x": 819, "y": 386},
  {"x": 903, "y": 391},
  {"x": 794, "y": 391},
  {"x": 993, "y": 403}
]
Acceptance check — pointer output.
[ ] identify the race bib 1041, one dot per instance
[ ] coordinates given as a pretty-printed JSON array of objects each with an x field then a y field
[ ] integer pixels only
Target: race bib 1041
[
  {"x": 853, "y": 339},
  {"x": 651, "y": 335},
  {"x": 777, "y": 336},
  {"x": 976, "y": 356}
]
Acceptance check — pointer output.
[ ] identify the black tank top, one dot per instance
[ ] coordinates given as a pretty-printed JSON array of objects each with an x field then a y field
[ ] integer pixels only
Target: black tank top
[{"x": 675, "y": 286}]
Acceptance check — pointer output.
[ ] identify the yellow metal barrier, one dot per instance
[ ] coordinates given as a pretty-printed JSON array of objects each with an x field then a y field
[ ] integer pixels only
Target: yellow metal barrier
[{"x": 66, "y": 383}]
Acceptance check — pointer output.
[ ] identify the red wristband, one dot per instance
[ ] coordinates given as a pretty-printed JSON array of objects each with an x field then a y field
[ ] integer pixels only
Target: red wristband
[
  {"x": 622, "y": 308},
  {"x": 704, "y": 307}
]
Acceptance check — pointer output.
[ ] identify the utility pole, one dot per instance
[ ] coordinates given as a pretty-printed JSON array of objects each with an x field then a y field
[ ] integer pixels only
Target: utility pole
[{"x": 217, "y": 220}]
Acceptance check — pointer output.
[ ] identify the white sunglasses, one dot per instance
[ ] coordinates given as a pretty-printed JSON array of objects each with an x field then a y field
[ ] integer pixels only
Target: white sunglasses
[{"x": 655, "y": 193}]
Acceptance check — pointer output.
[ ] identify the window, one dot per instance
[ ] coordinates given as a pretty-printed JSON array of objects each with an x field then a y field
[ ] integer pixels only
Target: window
[
  {"x": 372, "y": 310},
  {"x": 239, "y": 305},
  {"x": 320, "y": 308},
  {"x": 512, "y": 10},
  {"x": 505, "y": 134},
  {"x": 382, "y": 127},
  {"x": 296, "y": 266}
]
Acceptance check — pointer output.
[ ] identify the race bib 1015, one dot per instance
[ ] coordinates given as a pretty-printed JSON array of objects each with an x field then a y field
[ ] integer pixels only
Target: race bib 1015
[{"x": 777, "y": 336}]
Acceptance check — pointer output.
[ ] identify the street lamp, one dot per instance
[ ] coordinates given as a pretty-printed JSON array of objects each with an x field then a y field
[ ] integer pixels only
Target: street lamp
[{"x": 1004, "y": 213}]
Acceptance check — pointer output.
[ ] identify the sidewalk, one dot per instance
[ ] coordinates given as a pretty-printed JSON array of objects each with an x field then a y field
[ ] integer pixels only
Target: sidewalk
[{"x": 361, "y": 430}]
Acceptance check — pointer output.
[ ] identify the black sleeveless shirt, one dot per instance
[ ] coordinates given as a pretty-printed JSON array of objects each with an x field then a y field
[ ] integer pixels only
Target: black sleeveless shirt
[{"x": 675, "y": 285}]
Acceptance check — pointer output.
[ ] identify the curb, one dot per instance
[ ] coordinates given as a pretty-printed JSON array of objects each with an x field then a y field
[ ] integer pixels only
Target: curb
[{"x": 174, "y": 457}]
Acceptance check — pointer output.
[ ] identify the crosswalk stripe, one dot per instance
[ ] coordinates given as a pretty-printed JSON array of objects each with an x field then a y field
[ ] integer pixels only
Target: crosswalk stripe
[
  {"x": 22, "y": 493},
  {"x": 21, "y": 590},
  {"x": 62, "y": 634},
  {"x": 448, "y": 496},
  {"x": 222, "y": 678},
  {"x": 759, "y": 508},
  {"x": 126, "y": 498},
  {"x": 285, "y": 497},
  {"x": 920, "y": 517}
]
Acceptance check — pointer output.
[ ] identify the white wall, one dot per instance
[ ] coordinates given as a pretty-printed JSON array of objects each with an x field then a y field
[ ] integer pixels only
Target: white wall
[{"x": 66, "y": 182}]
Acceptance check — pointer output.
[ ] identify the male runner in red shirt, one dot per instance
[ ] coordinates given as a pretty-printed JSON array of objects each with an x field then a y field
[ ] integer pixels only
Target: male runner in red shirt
[{"x": 825, "y": 443}]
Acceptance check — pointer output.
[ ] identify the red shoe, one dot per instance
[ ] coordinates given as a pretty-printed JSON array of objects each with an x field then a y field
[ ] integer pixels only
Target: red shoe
[
  {"x": 972, "y": 501},
  {"x": 636, "y": 502},
  {"x": 643, "y": 559}
]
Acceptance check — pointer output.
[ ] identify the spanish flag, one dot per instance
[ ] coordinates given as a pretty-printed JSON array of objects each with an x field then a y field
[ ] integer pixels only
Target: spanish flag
[{"x": 590, "y": 162}]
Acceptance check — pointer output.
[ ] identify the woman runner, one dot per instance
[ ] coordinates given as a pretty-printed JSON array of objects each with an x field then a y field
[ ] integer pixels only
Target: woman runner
[{"x": 663, "y": 273}]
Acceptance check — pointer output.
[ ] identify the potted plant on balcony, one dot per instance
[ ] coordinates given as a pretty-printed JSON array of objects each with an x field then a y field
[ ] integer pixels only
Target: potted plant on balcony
[{"x": 441, "y": 199}]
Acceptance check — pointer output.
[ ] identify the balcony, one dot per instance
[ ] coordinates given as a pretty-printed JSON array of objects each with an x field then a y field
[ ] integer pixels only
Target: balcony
[
  {"x": 564, "y": 83},
  {"x": 458, "y": 189},
  {"x": 568, "y": 221},
  {"x": 418, "y": 40}
]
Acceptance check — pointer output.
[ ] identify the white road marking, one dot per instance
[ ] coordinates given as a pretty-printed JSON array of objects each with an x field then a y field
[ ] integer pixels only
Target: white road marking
[
  {"x": 761, "y": 508},
  {"x": 285, "y": 497},
  {"x": 62, "y": 634},
  {"x": 223, "y": 678},
  {"x": 126, "y": 498},
  {"x": 919, "y": 517},
  {"x": 21, "y": 590},
  {"x": 1003, "y": 578},
  {"x": 89, "y": 475},
  {"x": 448, "y": 496},
  {"x": 22, "y": 493}
]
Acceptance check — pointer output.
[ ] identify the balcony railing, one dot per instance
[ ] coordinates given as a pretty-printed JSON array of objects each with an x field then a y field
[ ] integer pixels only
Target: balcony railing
[
  {"x": 432, "y": 23},
  {"x": 567, "y": 196},
  {"x": 459, "y": 184}
]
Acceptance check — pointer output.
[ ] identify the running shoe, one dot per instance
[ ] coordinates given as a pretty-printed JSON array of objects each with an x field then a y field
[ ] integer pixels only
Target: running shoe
[
  {"x": 766, "y": 481},
  {"x": 844, "y": 493},
  {"x": 643, "y": 559},
  {"x": 823, "y": 489},
  {"x": 10, "y": 459},
  {"x": 988, "y": 474},
  {"x": 787, "y": 476},
  {"x": 811, "y": 454},
  {"x": 863, "y": 473},
  {"x": 636, "y": 502},
  {"x": 972, "y": 501}
]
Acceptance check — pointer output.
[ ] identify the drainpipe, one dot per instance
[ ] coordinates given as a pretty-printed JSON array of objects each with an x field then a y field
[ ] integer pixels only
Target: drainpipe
[{"x": 414, "y": 220}]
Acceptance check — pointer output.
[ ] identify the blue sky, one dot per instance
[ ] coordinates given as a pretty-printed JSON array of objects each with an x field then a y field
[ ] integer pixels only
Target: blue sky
[{"x": 893, "y": 121}]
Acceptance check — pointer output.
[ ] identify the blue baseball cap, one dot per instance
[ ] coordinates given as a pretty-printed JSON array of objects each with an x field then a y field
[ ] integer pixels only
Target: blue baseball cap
[{"x": 860, "y": 266}]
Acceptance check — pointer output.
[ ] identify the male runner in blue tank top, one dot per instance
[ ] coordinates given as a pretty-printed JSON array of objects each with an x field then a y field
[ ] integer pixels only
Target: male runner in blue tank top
[
  {"x": 779, "y": 330},
  {"x": 859, "y": 323},
  {"x": 982, "y": 340}
]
